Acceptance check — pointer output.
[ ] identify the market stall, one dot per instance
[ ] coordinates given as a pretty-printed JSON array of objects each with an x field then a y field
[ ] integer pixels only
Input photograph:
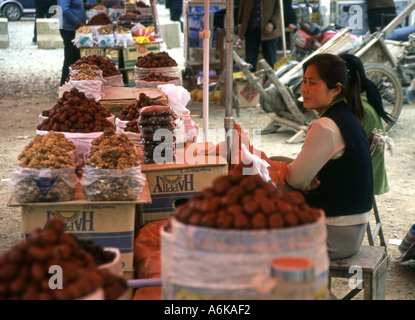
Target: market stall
[{"x": 187, "y": 218}]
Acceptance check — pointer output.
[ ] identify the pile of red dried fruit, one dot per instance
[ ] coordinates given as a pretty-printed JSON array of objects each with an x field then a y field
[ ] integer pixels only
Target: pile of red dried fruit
[
  {"x": 238, "y": 201},
  {"x": 156, "y": 60},
  {"x": 152, "y": 77},
  {"x": 74, "y": 112},
  {"x": 108, "y": 67},
  {"x": 132, "y": 111},
  {"x": 25, "y": 268},
  {"x": 100, "y": 19}
]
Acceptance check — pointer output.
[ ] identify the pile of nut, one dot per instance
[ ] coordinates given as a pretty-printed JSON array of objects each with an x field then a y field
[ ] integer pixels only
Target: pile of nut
[
  {"x": 238, "y": 201},
  {"x": 74, "y": 112},
  {"x": 84, "y": 75},
  {"x": 112, "y": 151},
  {"x": 108, "y": 67},
  {"x": 122, "y": 30},
  {"x": 157, "y": 77},
  {"x": 83, "y": 30},
  {"x": 99, "y": 20},
  {"x": 104, "y": 30},
  {"x": 99, "y": 7},
  {"x": 157, "y": 127},
  {"x": 26, "y": 270},
  {"x": 49, "y": 151},
  {"x": 156, "y": 60}
]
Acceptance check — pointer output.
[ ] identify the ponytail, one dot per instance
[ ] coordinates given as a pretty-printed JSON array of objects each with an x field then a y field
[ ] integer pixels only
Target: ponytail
[
  {"x": 353, "y": 95},
  {"x": 375, "y": 100},
  {"x": 357, "y": 77}
]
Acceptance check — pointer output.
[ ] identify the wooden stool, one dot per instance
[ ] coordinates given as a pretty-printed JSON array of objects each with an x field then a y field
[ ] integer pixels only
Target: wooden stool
[{"x": 368, "y": 267}]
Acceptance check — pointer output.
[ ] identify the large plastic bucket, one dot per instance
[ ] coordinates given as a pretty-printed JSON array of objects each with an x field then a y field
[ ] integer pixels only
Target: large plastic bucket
[{"x": 205, "y": 263}]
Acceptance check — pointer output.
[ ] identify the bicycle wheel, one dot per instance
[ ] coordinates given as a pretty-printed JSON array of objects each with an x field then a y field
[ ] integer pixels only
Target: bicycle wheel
[{"x": 390, "y": 89}]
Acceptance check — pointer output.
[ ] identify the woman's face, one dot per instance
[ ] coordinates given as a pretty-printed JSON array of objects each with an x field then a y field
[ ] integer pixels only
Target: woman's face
[{"x": 314, "y": 90}]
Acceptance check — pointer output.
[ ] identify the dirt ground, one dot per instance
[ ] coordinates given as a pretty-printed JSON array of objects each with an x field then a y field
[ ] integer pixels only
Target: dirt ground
[{"x": 397, "y": 207}]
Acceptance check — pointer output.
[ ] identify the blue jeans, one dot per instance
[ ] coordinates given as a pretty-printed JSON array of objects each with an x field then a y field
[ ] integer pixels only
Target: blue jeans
[
  {"x": 253, "y": 43},
  {"x": 401, "y": 34}
]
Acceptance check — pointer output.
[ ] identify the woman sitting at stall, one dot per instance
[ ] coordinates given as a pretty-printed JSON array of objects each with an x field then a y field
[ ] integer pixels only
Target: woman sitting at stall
[
  {"x": 372, "y": 122},
  {"x": 334, "y": 168}
]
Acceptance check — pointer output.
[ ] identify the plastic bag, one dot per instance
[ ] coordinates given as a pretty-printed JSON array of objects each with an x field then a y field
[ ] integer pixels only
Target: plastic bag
[
  {"x": 105, "y": 40},
  {"x": 178, "y": 98},
  {"x": 93, "y": 89},
  {"x": 84, "y": 40},
  {"x": 112, "y": 184},
  {"x": 114, "y": 81},
  {"x": 43, "y": 185},
  {"x": 124, "y": 40},
  {"x": 156, "y": 84},
  {"x": 113, "y": 13}
]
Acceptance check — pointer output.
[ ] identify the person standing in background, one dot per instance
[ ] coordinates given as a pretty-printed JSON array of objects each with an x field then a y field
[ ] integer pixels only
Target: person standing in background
[
  {"x": 380, "y": 13},
  {"x": 259, "y": 22},
  {"x": 176, "y": 10},
  {"x": 71, "y": 17},
  {"x": 42, "y": 11}
]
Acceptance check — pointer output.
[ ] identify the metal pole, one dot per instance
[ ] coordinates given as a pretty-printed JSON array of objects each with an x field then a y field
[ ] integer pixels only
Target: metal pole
[
  {"x": 284, "y": 41},
  {"x": 206, "y": 50},
  {"x": 229, "y": 121}
]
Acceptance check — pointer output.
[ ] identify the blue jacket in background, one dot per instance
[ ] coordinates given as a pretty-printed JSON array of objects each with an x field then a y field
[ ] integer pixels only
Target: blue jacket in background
[{"x": 71, "y": 13}]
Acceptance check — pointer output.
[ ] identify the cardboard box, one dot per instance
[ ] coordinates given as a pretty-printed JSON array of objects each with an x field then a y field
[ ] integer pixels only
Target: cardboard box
[
  {"x": 172, "y": 183},
  {"x": 132, "y": 53},
  {"x": 106, "y": 223},
  {"x": 90, "y": 51},
  {"x": 114, "y": 55},
  {"x": 109, "y": 225}
]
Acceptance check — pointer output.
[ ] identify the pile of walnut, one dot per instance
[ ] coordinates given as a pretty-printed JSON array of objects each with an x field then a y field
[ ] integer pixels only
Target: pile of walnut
[
  {"x": 25, "y": 268},
  {"x": 238, "y": 201},
  {"x": 112, "y": 151},
  {"x": 74, "y": 112},
  {"x": 108, "y": 67},
  {"x": 152, "y": 77},
  {"x": 131, "y": 112},
  {"x": 156, "y": 60},
  {"x": 47, "y": 151}
]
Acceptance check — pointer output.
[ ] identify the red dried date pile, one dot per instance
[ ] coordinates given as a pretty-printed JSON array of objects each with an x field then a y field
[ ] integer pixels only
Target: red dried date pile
[
  {"x": 74, "y": 112},
  {"x": 108, "y": 67},
  {"x": 238, "y": 201},
  {"x": 24, "y": 269},
  {"x": 100, "y": 19},
  {"x": 156, "y": 60},
  {"x": 132, "y": 126},
  {"x": 132, "y": 111},
  {"x": 152, "y": 77}
]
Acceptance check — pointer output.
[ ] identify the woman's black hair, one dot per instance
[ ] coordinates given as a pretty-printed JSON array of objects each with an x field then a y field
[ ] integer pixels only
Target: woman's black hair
[
  {"x": 356, "y": 69},
  {"x": 333, "y": 71}
]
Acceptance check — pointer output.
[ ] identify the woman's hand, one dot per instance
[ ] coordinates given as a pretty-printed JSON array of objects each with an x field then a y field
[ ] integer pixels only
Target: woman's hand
[{"x": 315, "y": 183}]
